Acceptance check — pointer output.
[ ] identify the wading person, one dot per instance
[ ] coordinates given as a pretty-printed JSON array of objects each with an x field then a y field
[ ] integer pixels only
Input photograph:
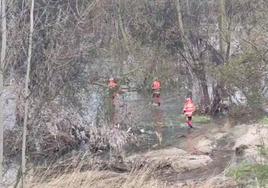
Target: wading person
[
  {"x": 113, "y": 92},
  {"x": 188, "y": 110},
  {"x": 156, "y": 86}
]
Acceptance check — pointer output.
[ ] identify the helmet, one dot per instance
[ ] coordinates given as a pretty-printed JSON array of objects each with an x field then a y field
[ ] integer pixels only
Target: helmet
[
  {"x": 111, "y": 79},
  {"x": 188, "y": 99}
]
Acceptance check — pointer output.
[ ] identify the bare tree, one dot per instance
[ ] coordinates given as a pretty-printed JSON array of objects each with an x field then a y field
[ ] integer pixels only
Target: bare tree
[
  {"x": 222, "y": 22},
  {"x": 178, "y": 7},
  {"x": 194, "y": 50},
  {"x": 23, "y": 157},
  {"x": 3, "y": 55}
]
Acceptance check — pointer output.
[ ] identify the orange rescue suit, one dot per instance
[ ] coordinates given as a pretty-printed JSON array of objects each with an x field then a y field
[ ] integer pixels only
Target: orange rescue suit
[
  {"x": 189, "y": 108},
  {"x": 156, "y": 85},
  {"x": 112, "y": 84}
]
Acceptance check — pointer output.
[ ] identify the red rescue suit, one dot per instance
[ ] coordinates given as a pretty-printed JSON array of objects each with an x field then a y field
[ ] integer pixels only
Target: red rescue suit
[
  {"x": 188, "y": 110},
  {"x": 112, "y": 84},
  {"x": 156, "y": 86}
]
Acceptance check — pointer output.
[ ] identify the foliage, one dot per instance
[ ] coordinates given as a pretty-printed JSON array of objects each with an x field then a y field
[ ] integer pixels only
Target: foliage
[
  {"x": 201, "y": 119},
  {"x": 248, "y": 173},
  {"x": 264, "y": 121},
  {"x": 264, "y": 151},
  {"x": 246, "y": 73},
  {"x": 255, "y": 174},
  {"x": 78, "y": 45}
]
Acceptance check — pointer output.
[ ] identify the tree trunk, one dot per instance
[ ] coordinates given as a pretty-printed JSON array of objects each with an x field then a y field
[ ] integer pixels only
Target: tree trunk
[
  {"x": 217, "y": 97},
  {"x": 228, "y": 42},
  {"x": 188, "y": 8},
  {"x": 178, "y": 7},
  {"x": 200, "y": 73},
  {"x": 3, "y": 55},
  {"x": 205, "y": 100},
  {"x": 222, "y": 23},
  {"x": 224, "y": 39},
  {"x": 23, "y": 157}
]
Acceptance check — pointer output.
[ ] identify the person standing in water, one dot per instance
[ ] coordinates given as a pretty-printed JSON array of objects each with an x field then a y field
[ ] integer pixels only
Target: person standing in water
[
  {"x": 188, "y": 110},
  {"x": 156, "y": 86},
  {"x": 113, "y": 92}
]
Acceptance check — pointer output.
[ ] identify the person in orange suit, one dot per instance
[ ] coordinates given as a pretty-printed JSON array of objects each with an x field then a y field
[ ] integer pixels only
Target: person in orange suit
[
  {"x": 113, "y": 92},
  {"x": 188, "y": 110},
  {"x": 156, "y": 86},
  {"x": 112, "y": 83}
]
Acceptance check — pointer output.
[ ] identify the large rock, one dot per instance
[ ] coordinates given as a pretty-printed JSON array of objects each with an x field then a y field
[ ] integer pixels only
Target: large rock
[
  {"x": 190, "y": 162},
  {"x": 219, "y": 182},
  {"x": 250, "y": 143},
  {"x": 10, "y": 176},
  {"x": 256, "y": 135},
  {"x": 9, "y": 110},
  {"x": 179, "y": 159},
  {"x": 205, "y": 146}
]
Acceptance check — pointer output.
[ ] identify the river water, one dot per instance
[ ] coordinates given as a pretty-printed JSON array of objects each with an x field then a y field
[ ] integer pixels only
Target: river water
[{"x": 158, "y": 126}]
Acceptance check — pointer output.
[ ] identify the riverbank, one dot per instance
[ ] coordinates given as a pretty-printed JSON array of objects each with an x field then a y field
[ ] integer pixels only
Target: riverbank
[{"x": 206, "y": 158}]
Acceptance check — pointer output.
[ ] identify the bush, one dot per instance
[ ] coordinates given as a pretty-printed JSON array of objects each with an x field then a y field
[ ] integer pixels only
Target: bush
[
  {"x": 245, "y": 114},
  {"x": 245, "y": 74},
  {"x": 249, "y": 173},
  {"x": 264, "y": 121}
]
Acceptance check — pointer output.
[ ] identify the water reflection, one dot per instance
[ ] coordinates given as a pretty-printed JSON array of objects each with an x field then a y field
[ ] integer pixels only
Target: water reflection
[{"x": 158, "y": 124}]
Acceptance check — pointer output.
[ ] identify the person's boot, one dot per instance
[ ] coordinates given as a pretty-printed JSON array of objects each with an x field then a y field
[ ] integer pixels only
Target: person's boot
[
  {"x": 158, "y": 101},
  {"x": 190, "y": 124}
]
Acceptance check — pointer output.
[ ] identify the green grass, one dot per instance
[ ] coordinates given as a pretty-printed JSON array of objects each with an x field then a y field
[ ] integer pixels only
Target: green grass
[
  {"x": 196, "y": 119},
  {"x": 201, "y": 119},
  {"x": 264, "y": 120},
  {"x": 263, "y": 151},
  {"x": 248, "y": 173}
]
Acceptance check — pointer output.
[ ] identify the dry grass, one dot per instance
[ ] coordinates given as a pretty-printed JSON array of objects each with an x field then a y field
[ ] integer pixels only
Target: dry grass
[
  {"x": 98, "y": 179},
  {"x": 146, "y": 176},
  {"x": 108, "y": 179}
]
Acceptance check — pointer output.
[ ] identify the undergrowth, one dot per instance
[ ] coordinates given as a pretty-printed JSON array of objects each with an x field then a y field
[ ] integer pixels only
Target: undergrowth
[
  {"x": 264, "y": 121},
  {"x": 253, "y": 174},
  {"x": 250, "y": 174},
  {"x": 197, "y": 119}
]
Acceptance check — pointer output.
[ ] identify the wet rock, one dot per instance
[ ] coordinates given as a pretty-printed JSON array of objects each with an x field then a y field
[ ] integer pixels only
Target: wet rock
[
  {"x": 176, "y": 158},
  {"x": 191, "y": 162},
  {"x": 240, "y": 150},
  {"x": 158, "y": 154},
  {"x": 219, "y": 136},
  {"x": 255, "y": 135},
  {"x": 249, "y": 144},
  {"x": 205, "y": 146},
  {"x": 10, "y": 176}
]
